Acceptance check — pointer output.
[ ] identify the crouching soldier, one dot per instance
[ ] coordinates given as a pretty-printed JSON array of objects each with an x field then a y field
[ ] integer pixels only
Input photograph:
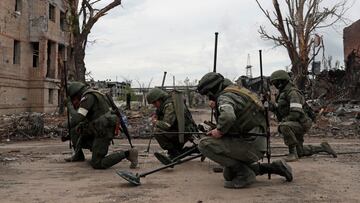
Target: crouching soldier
[
  {"x": 238, "y": 113},
  {"x": 166, "y": 120},
  {"x": 93, "y": 126},
  {"x": 294, "y": 122}
]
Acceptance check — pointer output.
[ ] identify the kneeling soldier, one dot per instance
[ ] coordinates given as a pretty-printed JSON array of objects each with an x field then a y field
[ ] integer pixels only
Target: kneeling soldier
[
  {"x": 92, "y": 126},
  {"x": 238, "y": 113}
]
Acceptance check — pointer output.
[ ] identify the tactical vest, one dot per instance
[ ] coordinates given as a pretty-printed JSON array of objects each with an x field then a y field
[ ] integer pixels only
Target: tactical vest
[
  {"x": 252, "y": 114},
  {"x": 101, "y": 107},
  {"x": 102, "y": 121}
]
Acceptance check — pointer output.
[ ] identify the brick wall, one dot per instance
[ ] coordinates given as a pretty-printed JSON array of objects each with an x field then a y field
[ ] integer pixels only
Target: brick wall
[{"x": 22, "y": 86}]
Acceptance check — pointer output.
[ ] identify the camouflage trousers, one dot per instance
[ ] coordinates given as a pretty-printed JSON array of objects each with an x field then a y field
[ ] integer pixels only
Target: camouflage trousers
[
  {"x": 236, "y": 154},
  {"x": 171, "y": 142},
  {"x": 293, "y": 132},
  {"x": 293, "y": 135},
  {"x": 83, "y": 138}
]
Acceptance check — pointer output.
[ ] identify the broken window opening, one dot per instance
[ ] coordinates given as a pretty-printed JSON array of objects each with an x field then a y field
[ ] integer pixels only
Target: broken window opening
[
  {"x": 61, "y": 59},
  {"x": 51, "y": 96},
  {"x": 51, "y": 12},
  {"x": 35, "y": 46},
  {"x": 16, "y": 52},
  {"x": 51, "y": 59},
  {"x": 18, "y": 5},
  {"x": 62, "y": 21}
]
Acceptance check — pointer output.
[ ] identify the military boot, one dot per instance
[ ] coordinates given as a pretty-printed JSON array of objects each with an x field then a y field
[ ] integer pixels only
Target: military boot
[
  {"x": 326, "y": 148},
  {"x": 133, "y": 157},
  {"x": 241, "y": 176},
  {"x": 228, "y": 174},
  {"x": 300, "y": 150},
  {"x": 280, "y": 167},
  {"x": 111, "y": 160},
  {"x": 292, "y": 156},
  {"x": 241, "y": 181},
  {"x": 77, "y": 157},
  {"x": 163, "y": 158}
]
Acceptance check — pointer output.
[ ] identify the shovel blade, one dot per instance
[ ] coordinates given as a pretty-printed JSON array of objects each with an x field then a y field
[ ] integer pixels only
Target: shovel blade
[{"x": 130, "y": 177}]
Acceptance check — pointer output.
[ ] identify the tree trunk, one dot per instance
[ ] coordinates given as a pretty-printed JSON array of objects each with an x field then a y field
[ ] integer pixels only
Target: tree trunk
[
  {"x": 300, "y": 75},
  {"x": 79, "y": 56}
]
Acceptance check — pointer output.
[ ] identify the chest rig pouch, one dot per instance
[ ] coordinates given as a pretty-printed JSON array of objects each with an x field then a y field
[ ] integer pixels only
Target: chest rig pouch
[
  {"x": 252, "y": 115},
  {"x": 102, "y": 121}
]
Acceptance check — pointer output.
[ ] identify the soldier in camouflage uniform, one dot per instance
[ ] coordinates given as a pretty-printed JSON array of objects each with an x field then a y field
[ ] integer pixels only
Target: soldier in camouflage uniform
[
  {"x": 165, "y": 120},
  {"x": 294, "y": 121},
  {"x": 238, "y": 113},
  {"x": 93, "y": 126}
]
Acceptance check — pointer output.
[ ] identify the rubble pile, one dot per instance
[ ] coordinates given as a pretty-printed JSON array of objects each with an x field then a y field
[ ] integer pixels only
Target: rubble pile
[
  {"x": 337, "y": 84},
  {"x": 139, "y": 123},
  {"x": 338, "y": 120},
  {"x": 27, "y": 126}
]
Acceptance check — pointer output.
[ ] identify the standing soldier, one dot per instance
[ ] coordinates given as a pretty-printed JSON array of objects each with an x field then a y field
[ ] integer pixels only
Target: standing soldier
[
  {"x": 166, "y": 120},
  {"x": 93, "y": 126},
  {"x": 294, "y": 121},
  {"x": 239, "y": 115}
]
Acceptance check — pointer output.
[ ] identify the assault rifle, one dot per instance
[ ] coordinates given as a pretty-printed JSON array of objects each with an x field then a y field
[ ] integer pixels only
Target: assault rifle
[{"x": 122, "y": 123}]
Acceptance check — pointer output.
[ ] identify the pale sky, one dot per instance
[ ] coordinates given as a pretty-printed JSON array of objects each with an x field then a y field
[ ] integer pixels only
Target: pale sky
[{"x": 143, "y": 38}]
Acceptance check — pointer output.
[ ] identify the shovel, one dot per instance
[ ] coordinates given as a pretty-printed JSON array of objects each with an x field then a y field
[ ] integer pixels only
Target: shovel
[{"x": 134, "y": 179}]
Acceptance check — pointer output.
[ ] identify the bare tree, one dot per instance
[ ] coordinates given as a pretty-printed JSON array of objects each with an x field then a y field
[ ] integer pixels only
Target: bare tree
[
  {"x": 296, "y": 22},
  {"x": 83, "y": 16}
]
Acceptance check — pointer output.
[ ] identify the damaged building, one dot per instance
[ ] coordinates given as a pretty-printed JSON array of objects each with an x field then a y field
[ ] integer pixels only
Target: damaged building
[
  {"x": 33, "y": 44},
  {"x": 352, "y": 58},
  {"x": 342, "y": 84}
]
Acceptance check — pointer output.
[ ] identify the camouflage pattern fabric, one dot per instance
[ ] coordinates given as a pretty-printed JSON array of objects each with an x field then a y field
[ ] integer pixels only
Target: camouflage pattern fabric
[{"x": 93, "y": 127}]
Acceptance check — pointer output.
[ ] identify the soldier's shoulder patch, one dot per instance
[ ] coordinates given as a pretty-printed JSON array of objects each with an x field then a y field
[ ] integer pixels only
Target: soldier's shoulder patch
[{"x": 83, "y": 98}]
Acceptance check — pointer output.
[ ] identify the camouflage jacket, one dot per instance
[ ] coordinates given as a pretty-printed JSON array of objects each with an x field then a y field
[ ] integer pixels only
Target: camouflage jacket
[
  {"x": 167, "y": 120},
  {"x": 93, "y": 105},
  {"x": 239, "y": 112},
  {"x": 289, "y": 106}
]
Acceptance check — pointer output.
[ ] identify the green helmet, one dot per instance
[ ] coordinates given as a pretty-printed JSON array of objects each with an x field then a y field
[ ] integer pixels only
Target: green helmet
[
  {"x": 227, "y": 82},
  {"x": 208, "y": 82},
  {"x": 279, "y": 75},
  {"x": 155, "y": 94},
  {"x": 75, "y": 87}
]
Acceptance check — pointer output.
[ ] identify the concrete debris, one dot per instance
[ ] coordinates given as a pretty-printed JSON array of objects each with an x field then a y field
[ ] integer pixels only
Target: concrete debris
[
  {"x": 28, "y": 126},
  {"x": 337, "y": 121},
  {"x": 337, "y": 84}
]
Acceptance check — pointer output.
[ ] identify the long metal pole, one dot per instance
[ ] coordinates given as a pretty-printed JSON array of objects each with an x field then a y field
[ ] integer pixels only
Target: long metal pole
[
  {"x": 170, "y": 165},
  {"x": 215, "y": 51},
  {"x": 266, "y": 104},
  {"x": 163, "y": 81},
  {"x": 66, "y": 92},
  {"x": 214, "y": 69}
]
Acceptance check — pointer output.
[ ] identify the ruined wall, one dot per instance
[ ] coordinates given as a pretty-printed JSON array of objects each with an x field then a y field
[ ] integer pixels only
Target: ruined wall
[
  {"x": 351, "y": 38},
  {"x": 23, "y": 85},
  {"x": 352, "y": 59}
]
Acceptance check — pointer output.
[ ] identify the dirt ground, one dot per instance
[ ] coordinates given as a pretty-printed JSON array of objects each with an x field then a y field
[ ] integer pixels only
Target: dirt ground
[{"x": 35, "y": 171}]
